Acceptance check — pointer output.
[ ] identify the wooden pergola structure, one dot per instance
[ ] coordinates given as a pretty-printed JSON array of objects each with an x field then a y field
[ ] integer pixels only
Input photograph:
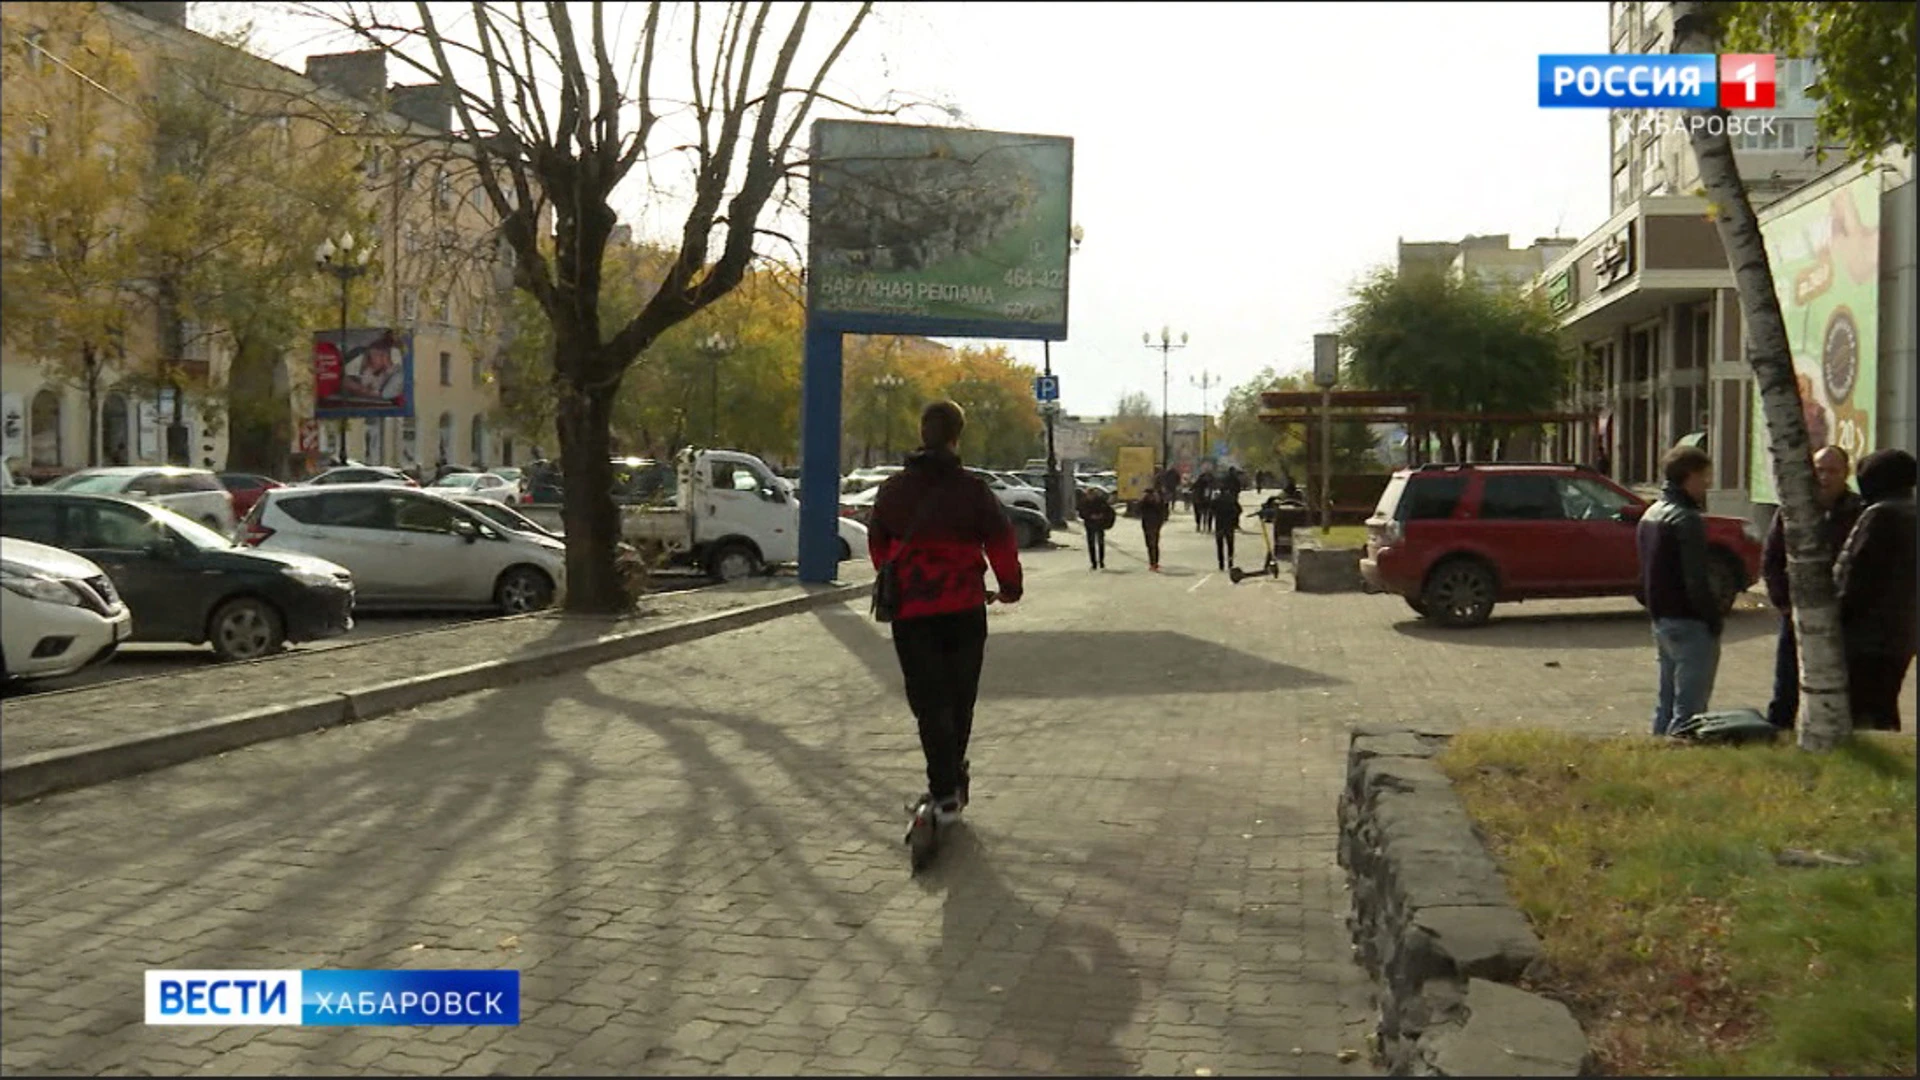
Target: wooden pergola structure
[{"x": 1283, "y": 407}]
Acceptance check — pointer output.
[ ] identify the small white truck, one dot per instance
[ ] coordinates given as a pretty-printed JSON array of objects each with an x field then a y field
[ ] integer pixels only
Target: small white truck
[{"x": 731, "y": 517}]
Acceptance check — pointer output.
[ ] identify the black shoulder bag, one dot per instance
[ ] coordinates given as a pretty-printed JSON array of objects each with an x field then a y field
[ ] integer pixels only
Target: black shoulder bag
[{"x": 886, "y": 587}]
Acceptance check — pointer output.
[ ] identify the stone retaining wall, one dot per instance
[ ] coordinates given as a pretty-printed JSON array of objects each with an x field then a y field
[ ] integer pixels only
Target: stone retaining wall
[
  {"x": 1324, "y": 570},
  {"x": 1432, "y": 921}
]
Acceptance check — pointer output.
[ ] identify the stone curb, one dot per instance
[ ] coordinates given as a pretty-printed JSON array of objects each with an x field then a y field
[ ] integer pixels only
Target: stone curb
[
  {"x": 1432, "y": 921},
  {"x": 36, "y": 775}
]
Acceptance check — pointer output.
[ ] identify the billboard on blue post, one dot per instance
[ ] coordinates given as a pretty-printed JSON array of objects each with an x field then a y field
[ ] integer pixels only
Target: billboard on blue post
[
  {"x": 940, "y": 232},
  {"x": 362, "y": 373}
]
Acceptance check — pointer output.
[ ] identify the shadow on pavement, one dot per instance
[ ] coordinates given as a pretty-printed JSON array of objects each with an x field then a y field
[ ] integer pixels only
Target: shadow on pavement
[
  {"x": 1062, "y": 663},
  {"x": 1576, "y": 630},
  {"x": 1056, "y": 1006}
]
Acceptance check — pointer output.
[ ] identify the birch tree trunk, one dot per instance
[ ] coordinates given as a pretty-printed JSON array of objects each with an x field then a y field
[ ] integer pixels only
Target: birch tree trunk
[{"x": 1825, "y": 719}]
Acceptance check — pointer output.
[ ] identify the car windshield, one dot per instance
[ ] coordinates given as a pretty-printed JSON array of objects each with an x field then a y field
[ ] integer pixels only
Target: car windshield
[
  {"x": 458, "y": 480},
  {"x": 504, "y": 516},
  {"x": 507, "y": 474},
  {"x": 91, "y": 482},
  {"x": 195, "y": 533}
]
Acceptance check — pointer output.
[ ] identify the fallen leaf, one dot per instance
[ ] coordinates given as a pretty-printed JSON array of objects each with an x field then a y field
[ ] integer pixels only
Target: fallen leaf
[
  {"x": 416, "y": 946},
  {"x": 511, "y": 941},
  {"x": 1203, "y": 1072},
  {"x": 1347, "y": 1055},
  {"x": 1297, "y": 1050}
]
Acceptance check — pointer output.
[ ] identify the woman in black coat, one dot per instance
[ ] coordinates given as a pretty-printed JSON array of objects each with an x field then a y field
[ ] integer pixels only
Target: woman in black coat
[{"x": 1876, "y": 578}]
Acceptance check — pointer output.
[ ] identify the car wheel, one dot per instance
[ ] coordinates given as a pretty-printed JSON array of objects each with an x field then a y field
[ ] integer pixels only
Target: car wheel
[
  {"x": 246, "y": 629},
  {"x": 1023, "y": 535},
  {"x": 523, "y": 589},
  {"x": 1418, "y": 607},
  {"x": 734, "y": 561},
  {"x": 1726, "y": 579},
  {"x": 846, "y": 551},
  {"x": 1460, "y": 592}
]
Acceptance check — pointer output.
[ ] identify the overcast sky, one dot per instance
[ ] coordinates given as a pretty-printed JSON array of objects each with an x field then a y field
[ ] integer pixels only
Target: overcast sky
[{"x": 1239, "y": 166}]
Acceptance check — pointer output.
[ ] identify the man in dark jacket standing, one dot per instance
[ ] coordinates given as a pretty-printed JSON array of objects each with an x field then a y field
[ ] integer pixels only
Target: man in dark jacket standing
[
  {"x": 941, "y": 526},
  {"x": 1687, "y": 620},
  {"x": 1876, "y": 578},
  {"x": 1838, "y": 509}
]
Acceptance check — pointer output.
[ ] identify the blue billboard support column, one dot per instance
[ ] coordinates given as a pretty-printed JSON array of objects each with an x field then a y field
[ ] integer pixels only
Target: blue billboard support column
[{"x": 820, "y": 378}]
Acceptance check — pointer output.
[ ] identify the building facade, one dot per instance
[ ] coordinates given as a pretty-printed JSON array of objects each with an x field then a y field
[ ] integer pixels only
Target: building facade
[
  {"x": 1489, "y": 259},
  {"x": 434, "y": 272},
  {"x": 1647, "y": 301}
]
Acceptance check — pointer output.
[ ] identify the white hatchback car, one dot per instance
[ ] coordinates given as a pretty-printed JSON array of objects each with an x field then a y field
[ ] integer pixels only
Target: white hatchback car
[
  {"x": 485, "y": 485},
  {"x": 58, "y": 612},
  {"x": 410, "y": 548},
  {"x": 195, "y": 494}
]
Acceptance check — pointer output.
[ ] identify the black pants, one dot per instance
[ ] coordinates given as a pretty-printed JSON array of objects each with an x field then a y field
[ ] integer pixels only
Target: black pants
[
  {"x": 1152, "y": 533},
  {"x": 1223, "y": 545},
  {"x": 1199, "y": 514},
  {"x": 940, "y": 658},
  {"x": 1785, "y": 706},
  {"x": 1096, "y": 547},
  {"x": 1873, "y": 688}
]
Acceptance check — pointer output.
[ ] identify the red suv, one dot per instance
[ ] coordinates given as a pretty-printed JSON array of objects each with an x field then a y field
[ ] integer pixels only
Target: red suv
[{"x": 1454, "y": 540}]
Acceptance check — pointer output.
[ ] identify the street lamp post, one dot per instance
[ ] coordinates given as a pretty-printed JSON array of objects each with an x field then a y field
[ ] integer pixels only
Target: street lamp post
[
  {"x": 887, "y": 384},
  {"x": 1056, "y": 510},
  {"x": 1206, "y": 381},
  {"x": 1166, "y": 345},
  {"x": 343, "y": 261},
  {"x": 714, "y": 346}
]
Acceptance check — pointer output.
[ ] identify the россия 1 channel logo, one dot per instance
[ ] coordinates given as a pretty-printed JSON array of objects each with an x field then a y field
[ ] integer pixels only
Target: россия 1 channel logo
[{"x": 1654, "y": 81}]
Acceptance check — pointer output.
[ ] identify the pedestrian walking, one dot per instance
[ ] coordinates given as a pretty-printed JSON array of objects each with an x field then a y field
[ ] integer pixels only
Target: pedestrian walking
[
  {"x": 1234, "y": 482},
  {"x": 932, "y": 523},
  {"x": 1153, "y": 511},
  {"x": 1839, "y": 508},
  {"x": 1875, "y": 577},
  {"x": 1226, "y": 522},
  {"x": 1097, "y": 516},
  {"x": 1687, "y": 620},
  {"x": 1201, "y": 495}
]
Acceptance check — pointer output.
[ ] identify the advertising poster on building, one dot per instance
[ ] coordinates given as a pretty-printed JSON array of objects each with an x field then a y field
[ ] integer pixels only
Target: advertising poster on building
[
  {"x": 1826, "y": 268},
  {"x": 362, "y": 373},
  {"x": 945, "y": 231}
]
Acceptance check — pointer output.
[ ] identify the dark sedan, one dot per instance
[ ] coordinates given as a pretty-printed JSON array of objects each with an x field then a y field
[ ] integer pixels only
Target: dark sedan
[{"x": 185, "y": 582}]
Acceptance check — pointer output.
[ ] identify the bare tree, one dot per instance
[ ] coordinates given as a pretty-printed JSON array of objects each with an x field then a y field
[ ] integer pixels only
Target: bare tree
[
  {"x": 551, "y": 125},
  {"x": 1826, "y": 719}
]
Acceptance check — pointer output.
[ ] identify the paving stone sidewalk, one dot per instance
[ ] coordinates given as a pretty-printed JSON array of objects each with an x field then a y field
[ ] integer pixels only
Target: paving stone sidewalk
[
  {"x": 694, "y": 855},
  {"x": 65, "y": 719}
]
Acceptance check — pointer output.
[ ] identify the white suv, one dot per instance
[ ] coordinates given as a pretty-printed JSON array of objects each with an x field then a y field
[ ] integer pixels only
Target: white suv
[
  {"x": 195, "y": 494},
  {"x": 409, "y": 548},
  {"x": 58, "y": 612},
  {"x": 1012, "y": 494}
]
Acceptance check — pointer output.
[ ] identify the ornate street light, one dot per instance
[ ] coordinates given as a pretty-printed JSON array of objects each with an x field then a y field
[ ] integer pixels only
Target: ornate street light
[
  {"x": 714, "y": 347},
  {"x": 345, "y": 261},
  {"x": 1166, "y": 345}
]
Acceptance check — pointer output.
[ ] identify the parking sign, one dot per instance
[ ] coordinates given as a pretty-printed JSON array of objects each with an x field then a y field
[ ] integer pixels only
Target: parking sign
[{"x": 1046, "y": 388}]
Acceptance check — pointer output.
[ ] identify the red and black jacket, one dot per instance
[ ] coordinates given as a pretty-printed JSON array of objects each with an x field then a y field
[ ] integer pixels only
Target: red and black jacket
[{"x": 942, "y": 566}]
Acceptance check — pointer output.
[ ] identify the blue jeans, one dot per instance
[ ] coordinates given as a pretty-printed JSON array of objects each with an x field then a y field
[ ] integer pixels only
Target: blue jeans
[{"x": 1689, "y": 659}]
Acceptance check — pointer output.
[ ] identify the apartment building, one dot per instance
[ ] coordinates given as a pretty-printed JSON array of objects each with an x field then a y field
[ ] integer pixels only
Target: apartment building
[{"x": 434, "y": 273}]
